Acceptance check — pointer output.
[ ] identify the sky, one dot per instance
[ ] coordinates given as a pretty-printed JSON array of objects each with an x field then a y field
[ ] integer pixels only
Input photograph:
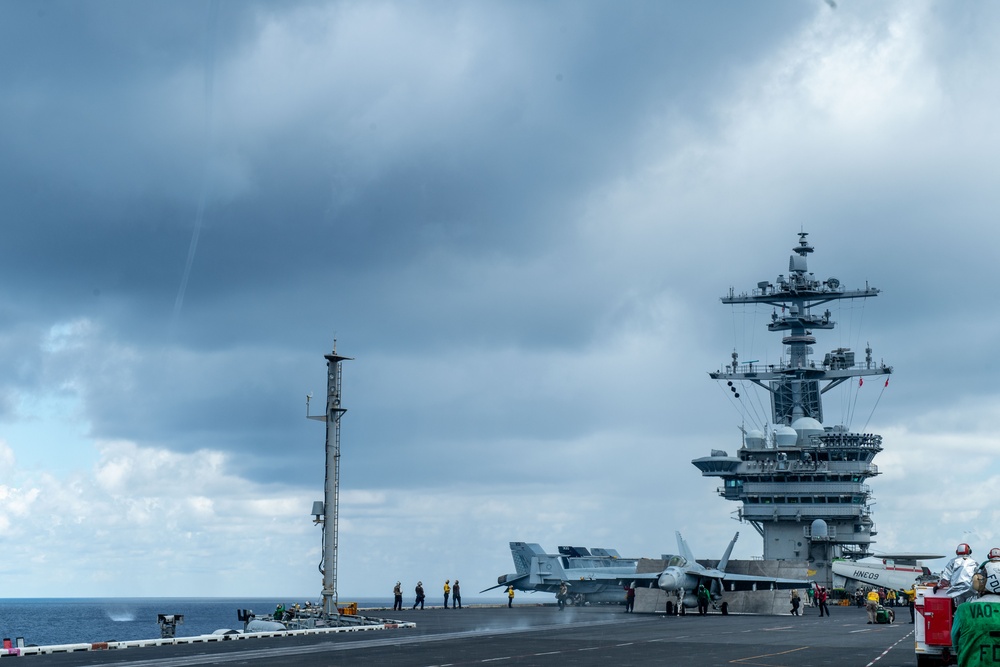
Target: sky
[{"x": 517, "y": 219}]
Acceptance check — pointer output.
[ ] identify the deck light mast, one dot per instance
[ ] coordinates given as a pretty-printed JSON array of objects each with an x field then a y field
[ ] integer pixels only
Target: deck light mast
[{"x": 331, "y": 491}]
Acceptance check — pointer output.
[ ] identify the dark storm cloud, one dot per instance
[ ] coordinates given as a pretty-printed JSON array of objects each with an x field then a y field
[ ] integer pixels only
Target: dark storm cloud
[
  {"x": 489, "y": 180},
  {"x": 366, "y": 208},
  {"x": 519, "y": 217},
  {"x": 414, "y": 214}
]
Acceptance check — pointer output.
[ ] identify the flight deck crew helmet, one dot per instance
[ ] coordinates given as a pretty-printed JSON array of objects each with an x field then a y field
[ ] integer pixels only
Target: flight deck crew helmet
[
  {"x": 963, "y": 549},
  {"x": 991, "y": 574},
  {"x": 995, "y": 553}
]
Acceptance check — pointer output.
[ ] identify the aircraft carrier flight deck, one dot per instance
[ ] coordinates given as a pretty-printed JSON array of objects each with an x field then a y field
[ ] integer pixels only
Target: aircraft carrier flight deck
[{"x": 531, "y": 634}]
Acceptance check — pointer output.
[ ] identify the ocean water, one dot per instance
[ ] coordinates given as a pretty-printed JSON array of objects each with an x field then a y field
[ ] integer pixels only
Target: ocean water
[{"x": 50, "y": 621}]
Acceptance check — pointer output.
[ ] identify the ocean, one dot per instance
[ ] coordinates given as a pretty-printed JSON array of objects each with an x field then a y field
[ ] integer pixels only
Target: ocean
[{"x": 51, "y": 621}]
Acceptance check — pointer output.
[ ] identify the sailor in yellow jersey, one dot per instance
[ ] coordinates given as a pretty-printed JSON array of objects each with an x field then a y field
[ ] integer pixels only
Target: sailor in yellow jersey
[
  {"x": 911, "y": 599},
  {"x": 872, "y": 605},
  {"x": 975, "y": 632},
  {"x": 447, "y": 590}
]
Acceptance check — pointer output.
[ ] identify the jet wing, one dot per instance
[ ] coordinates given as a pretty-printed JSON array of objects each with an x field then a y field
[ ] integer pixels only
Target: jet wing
[
  {"x": 908, "y": 558},
  {"x": 593, "y": 577},
  {"x": 747, "y": 582},
  {"x": 623, "y": 579}
]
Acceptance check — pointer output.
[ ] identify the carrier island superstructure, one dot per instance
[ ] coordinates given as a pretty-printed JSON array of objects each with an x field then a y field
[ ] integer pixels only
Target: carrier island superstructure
[{"x": 802, "y": 485}]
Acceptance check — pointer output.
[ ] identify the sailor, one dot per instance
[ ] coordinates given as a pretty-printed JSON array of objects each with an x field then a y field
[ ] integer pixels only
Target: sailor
[
  {"x": 994, "y": 555},
  {"x": 456, "y": 596},
  {"x": 821, "y": 596},
  {"x": 510, "y": 597},
  {"x": 630, "y": 598},
  {"x": 397, "y": 597},
  {"x": 956, "y": 578},
  {"x": 872, "y": 605},
  {"x": 975, "y": 631},
  {"x": 703, "y": 597},
  {"x": 911, "y": 600},
  {"x": 419, "y": 592},
  {"x": 447, "y": 591}
]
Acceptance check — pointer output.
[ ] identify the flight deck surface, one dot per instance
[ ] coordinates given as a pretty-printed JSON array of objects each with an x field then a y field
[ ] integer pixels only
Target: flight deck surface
[{"x": 542, "y": 635}]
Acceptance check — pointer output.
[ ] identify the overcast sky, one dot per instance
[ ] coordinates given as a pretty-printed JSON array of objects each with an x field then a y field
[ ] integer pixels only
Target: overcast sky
[{"x": 518, "y": 218}]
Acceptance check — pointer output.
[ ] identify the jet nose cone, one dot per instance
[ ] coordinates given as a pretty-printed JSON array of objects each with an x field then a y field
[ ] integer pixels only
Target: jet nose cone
[{"x": 667, "y": 582}]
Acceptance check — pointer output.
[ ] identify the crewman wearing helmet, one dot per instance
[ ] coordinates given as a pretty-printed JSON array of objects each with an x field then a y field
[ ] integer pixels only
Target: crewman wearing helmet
[
  {"x": 993, "y": 556},
  {"x": 956, "y": 579},
  {"x": 397, "y": 597},
  {"x": 975, "y": 631}
]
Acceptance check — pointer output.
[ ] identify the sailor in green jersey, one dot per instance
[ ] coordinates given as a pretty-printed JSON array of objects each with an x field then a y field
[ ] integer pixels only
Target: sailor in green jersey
[{"x": 975, "y": 632}]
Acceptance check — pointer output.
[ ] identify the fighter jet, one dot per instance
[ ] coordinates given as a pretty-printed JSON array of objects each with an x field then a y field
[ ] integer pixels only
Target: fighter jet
[
  {"x": 684, "y": 574},
  {"x": 591, "y": 575},
  {"x": 598, "y": 575},
  {"x": 895, "y": 571}
]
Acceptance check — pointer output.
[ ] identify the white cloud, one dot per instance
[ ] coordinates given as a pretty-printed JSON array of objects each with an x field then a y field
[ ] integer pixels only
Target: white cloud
[{"x": 147, "y": 521}]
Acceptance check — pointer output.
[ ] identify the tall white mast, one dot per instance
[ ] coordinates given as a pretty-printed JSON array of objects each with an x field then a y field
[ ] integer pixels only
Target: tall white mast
[{"x": 331, "y": 491}]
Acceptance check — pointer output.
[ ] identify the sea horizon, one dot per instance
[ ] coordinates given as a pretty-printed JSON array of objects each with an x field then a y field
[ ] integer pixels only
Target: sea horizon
[{"x": 75, "y": 620}]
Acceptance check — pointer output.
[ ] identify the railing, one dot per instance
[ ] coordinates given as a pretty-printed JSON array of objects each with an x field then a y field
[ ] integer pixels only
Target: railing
[
  {"x": 806, "y": 488},
  {"x": 765, "y": 512},
  {"x": 783, "y": 366},
  {"x": 849, "y": 440}
]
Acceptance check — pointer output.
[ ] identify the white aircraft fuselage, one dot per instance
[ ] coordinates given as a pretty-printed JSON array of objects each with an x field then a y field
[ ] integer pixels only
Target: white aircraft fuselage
[{"x": 883, "y": 573}]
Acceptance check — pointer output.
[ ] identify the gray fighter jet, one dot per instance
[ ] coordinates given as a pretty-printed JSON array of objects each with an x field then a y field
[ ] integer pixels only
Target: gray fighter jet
[
  {"x": 591, "y": 575},
  {"x": 599, "y": 575}
]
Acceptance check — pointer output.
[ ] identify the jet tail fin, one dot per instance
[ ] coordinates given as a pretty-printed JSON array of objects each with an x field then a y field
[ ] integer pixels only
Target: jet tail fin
[
  {"x": 729, "y": 550},
  {"x": 522, "y": 553},
  {"x": 684, "y": 549}
]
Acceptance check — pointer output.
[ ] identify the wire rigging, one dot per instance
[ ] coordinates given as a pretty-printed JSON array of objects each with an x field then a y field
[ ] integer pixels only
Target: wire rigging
[{"x": 879, "y": 398}]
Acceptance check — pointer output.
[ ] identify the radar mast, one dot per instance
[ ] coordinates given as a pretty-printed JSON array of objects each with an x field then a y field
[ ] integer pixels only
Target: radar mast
[{"x": 801, "y": 484}]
